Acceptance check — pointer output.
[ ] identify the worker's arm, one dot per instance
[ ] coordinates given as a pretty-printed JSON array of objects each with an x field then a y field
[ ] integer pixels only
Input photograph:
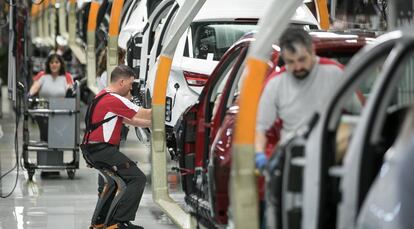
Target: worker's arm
[
  {"x": 34, "y": 89},
  {"x": 266, "y": 115},
  {"x": 141, "y": 119},
  {"x": 260, "y": 141}
]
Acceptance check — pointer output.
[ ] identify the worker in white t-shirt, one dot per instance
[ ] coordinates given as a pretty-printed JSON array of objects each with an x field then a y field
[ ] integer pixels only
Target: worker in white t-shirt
[{"x": 295, "y": 92}]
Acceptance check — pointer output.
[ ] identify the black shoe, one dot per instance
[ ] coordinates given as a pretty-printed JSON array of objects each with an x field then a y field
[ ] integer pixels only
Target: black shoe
[
  {"x": 124, "y": 225},
  {"x": 131, "y": 226}
]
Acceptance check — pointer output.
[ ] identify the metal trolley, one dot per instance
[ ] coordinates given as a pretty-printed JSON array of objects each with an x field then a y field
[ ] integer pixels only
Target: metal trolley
[{"x": 63, "y": 134}]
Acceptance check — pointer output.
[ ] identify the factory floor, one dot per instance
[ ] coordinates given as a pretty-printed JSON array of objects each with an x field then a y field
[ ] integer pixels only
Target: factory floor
[{"x": 55, "y": 201}]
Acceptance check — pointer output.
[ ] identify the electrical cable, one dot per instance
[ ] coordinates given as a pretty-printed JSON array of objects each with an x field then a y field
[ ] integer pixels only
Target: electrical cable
[
  {"x": 4, "y": 22},
  {"x": 21, "y": 96},
  {"x": 16, "y": 150},
  {"x": 16, "y": 165}
]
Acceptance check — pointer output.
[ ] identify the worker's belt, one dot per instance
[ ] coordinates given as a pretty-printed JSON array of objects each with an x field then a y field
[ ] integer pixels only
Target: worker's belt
[{"x": 95, "y": 147}]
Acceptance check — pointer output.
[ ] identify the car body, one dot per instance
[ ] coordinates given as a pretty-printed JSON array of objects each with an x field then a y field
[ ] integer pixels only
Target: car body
[
  {"x": 215, "y": 28},
  {"x": 205, "y": 131}
]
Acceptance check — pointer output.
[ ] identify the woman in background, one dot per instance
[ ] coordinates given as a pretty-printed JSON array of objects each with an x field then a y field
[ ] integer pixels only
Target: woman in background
[{"x": 51, "y": 83}]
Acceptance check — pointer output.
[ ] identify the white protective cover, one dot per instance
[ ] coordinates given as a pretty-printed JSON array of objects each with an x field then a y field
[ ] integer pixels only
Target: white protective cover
[{"x": 137, "y": 20}]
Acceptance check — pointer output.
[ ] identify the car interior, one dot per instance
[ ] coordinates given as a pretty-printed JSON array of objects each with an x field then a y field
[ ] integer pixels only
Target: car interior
[{"x": 213, "y": 39}]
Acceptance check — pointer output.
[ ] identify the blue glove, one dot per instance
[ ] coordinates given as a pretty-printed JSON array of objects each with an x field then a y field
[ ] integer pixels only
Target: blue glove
[{"x": 261, "y": 160}]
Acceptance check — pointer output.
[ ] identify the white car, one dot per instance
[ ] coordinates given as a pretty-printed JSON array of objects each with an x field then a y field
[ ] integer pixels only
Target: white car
[{"x": 215, "y": 28}]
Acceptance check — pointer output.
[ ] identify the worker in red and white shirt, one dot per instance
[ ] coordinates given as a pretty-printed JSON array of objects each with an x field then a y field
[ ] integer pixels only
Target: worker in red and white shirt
[{"x": 110, "y": 109}]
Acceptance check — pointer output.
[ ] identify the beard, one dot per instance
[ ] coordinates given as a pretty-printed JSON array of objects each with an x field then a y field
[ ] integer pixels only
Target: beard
[{"x": 300, "y": 74}]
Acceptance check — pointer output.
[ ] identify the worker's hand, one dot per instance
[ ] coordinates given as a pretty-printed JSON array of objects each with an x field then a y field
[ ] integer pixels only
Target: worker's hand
[
  {"x": 31, "y": 101},
  {"x": 261, "y": 160}
]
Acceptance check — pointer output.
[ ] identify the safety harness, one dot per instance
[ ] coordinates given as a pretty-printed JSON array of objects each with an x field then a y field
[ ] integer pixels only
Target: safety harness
[{"x": 90, "y": 127}]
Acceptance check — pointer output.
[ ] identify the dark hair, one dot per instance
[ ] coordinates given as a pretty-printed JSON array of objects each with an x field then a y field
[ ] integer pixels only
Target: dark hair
[
  {"x": 121, "y": 71},
  {"x": 49, "y": 59},
  {"x": 102, "y": 59},
  {"x": 294, "y": 36},
  {"x": 121, "y": 55}
]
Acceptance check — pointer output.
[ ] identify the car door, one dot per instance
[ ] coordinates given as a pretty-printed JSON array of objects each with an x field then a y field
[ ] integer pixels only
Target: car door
[
  {"x": 193, "y": 128},
  {"x": 328, "y": 147},
  {"x": 308, "y": 190},
  {"x": 392, "y": 96}
]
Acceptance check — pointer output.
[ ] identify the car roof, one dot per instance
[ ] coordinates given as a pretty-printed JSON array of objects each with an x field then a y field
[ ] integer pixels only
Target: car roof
[
  {"x": 250, "y": 9},
  {"x": 328, "y": 39}
]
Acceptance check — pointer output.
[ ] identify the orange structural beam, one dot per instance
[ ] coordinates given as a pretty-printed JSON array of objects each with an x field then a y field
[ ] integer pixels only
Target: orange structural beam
[
  {"x": 35, "y": 10},
  {"x": 161, "y": 80},
  {"x": 93, "y": 14},
  {"x": 323, "y": 14},
  {"x": 249, "y": 99},
  {"x": 115, "y": 17}
]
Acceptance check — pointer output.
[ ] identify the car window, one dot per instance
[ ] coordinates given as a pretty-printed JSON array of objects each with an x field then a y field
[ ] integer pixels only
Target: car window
[
  {"x": 403, "y": 93},
  {"x": 218, "y": 89},
  {"x": 400, "y": 101},
  {"x": 217, "y": 92},
  {"x": 351, "y": 107},
  {"x": 212, "y": 39}
]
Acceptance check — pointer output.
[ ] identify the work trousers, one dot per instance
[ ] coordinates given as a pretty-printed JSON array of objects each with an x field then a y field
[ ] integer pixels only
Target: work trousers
[
  {"x": 43, "y": 123},
  {"x": 133, "y": 177}
]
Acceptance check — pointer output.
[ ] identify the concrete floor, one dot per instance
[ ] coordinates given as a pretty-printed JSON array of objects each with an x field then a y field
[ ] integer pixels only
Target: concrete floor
[{"x": 58, "y": 202}]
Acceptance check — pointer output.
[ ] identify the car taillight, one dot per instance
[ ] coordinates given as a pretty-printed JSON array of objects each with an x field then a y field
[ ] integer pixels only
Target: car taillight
[{"x": 195, "y": 79}]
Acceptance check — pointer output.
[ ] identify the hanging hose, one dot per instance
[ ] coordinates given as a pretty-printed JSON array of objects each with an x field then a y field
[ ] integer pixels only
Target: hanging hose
[{"x": 16, "y": 149}]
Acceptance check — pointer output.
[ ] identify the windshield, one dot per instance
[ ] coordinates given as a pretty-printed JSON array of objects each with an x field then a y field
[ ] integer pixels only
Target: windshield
[
  {"x": 212, "y": 39},
  {"x": 359, "y": 14}
]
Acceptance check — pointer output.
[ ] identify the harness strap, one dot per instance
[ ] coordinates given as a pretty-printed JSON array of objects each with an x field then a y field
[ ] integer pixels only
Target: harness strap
[{"x": 90, "y": 127}]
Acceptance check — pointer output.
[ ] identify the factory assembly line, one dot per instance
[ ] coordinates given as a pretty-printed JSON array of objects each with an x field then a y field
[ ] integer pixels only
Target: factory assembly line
[{"x": 206, "y": 114}]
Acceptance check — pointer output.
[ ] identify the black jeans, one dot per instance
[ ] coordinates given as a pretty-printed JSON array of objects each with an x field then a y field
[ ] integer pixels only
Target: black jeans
[
  {"x": 133, "y": 177},
  {"x": 43, "y": 123}
]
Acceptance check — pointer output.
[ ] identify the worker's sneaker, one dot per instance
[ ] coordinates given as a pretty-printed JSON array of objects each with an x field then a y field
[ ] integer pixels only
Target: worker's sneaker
[{"x": 124, "y": 225}]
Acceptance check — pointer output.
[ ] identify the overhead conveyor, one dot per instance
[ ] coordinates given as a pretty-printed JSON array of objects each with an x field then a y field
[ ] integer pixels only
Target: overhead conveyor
[
  {"x": 47, "y": 22},
  {"x": 90, "y": 48},
  {"x": 243, "y": 200},
  {"x": 34, "y": 19},
  {"x": 77, "y": 50},
  {"x": 161, "y": 196},
  {"x": 322, "y": 13},
  {"x": 38, "y": 22},
  {"x": 63, "y": 30},
  {"x": 113, "y": 33},
  {"x": 52, "y": 22}
]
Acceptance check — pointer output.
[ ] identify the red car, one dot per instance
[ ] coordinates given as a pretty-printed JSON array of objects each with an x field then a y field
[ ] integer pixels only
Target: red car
[{"x": 204, "y": 132}]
